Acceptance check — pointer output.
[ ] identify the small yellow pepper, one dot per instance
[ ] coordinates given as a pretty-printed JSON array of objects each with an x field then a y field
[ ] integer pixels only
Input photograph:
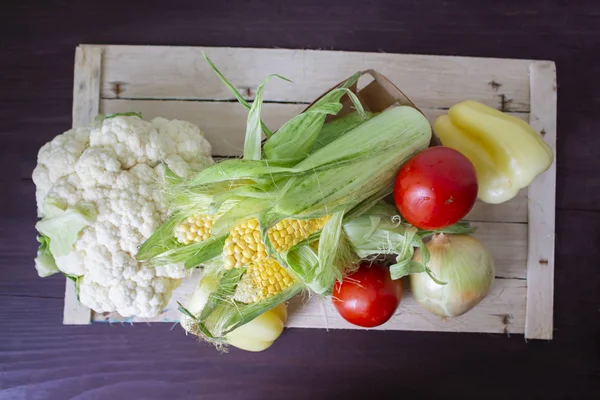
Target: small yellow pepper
[
  {"x": 260, "y": 333},
  {"x": 506, "y": 152}
]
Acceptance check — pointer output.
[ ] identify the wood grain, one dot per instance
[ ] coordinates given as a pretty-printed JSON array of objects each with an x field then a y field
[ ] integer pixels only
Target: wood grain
[
  {"x": 542, "y": 195},
  {"x": 428, "y": 80}
]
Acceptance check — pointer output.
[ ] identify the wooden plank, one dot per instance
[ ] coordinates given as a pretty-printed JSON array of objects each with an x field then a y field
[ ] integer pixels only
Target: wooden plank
[
  {"x": 86, "y": 105},
  {"x": 223, "y": 124},
  {"x": 542, "y": 194},
  {"x": 507, "y": 243},
  {"x": 86, "y": 85},
  {"x": 156, "y": 72},
  {"x": 502, "y": 311},
  {"x": 514, "y": 210}
]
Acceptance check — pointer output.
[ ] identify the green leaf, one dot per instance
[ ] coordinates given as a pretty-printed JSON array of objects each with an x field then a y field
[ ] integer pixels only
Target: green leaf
[
  {"x": 252, "y": 143},
  {"x": 237, "y": 94},
  {"x": 404, "y": 268},
  {"x": 44, "y": 262},
  {"x": 460, "y": 228},
  {"x": 63, "y": 228},
  {"x": 241, "y": 193},
  {"x": 185, "y": 311},
  {"x": 233, "y": 315},
  {"x": 201, "y": 327},
  {"x": 239, "y": 169},
  {"x": 245, "y": 209},
  {"x": 329, "y": 246},
  {"x": 225, "y": 291},
  {"x": 162, "y": 240},
  {"x": 318, "y": 272},
  {"x": 339, "y": 127},
  {"x": 192, "y": 255},
  {"x": 296, "y": 138}
]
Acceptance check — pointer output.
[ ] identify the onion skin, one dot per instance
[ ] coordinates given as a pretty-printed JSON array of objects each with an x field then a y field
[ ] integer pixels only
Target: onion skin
[{"x": 465, "y": 264}]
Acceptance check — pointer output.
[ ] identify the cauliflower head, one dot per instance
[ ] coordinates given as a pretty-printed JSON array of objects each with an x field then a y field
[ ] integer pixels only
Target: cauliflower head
[{"x": 97, "y": 196}]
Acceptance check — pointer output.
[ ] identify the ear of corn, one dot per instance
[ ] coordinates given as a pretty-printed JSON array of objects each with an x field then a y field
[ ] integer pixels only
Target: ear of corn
[
  {"x": 361, "y": 163},
  {"x": 262, "y": 280},
  {"x": 284, "y": 214},
  {"x": 245, "y": 245},
  {"x": 338, "y": 127}
]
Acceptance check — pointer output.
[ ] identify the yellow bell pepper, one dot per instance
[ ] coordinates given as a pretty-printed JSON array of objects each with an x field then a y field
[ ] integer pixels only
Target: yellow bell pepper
[
  {"x": 256, "y": 335},
  {"x": 506, "y": 152},
  {"x": 260, "y": 333}
]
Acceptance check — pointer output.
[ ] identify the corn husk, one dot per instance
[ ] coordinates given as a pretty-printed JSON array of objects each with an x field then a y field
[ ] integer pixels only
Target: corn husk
[{"x": 307, "y": 169}]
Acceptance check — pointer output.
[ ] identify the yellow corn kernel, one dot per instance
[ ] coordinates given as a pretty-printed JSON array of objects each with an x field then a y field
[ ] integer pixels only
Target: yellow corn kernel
[
  {"x": 262, "y": 280},
  {"x": 289, "y": 232},
  {"x": 245, "y": 239},
  {"x": 194, "y": 229}
]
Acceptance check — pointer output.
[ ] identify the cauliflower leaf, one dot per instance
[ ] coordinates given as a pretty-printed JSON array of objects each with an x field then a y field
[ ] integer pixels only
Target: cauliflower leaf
[
  {"x": 63, "y": 227},
  {"x": 44, "y": 262}
]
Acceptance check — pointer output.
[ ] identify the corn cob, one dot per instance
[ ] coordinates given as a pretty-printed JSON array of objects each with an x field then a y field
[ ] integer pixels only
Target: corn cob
[
  {"x": 289, "y": 232},
  {"x": 194, "y": 229},
  {"x": 262, "y": 280},
  {"x": 244, "y": 244}
]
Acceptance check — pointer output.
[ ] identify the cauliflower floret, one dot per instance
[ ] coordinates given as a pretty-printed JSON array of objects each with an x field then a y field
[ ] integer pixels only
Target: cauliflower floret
[
  {"x": 57, "y": 159},
  {"x": 98, "y": 166},
  {"x": 114, "y": 165}
]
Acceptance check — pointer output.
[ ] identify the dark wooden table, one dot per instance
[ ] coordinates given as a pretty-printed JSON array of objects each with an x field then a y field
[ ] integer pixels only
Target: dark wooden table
[{"x": 41, "y": 359}]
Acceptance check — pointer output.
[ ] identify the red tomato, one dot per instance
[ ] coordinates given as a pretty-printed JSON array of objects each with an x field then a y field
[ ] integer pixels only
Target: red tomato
[
  {"x": 368, "y": 297},
  {"x": 436, "y": 188}
]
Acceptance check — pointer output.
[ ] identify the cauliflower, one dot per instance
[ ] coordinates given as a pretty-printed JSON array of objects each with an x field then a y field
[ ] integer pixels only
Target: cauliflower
[{"x": 96, "y": 195}]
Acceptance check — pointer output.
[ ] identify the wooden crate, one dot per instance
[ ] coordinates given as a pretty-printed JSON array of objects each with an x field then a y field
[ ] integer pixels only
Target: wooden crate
[{"x": 176, "y": 82}]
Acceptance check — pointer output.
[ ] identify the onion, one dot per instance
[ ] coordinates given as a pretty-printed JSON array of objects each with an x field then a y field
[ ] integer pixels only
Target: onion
[{"x": 466, "y": 266}]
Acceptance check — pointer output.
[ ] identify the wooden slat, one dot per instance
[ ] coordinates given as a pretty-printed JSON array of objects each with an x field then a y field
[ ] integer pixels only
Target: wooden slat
[
  {"x": 86, "y": 85},
  {"x": 502, "y": 311},
  {"x": 224, "y": 123},
  {"x": 224, "y": 126},
  {"x": 542, "y": 193},
  {"x": 514, "y": 210},
  {"x": 139, "y": 72},
  {"x": 86, "y": 104},
  {"x": 507, "y": 243}
]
